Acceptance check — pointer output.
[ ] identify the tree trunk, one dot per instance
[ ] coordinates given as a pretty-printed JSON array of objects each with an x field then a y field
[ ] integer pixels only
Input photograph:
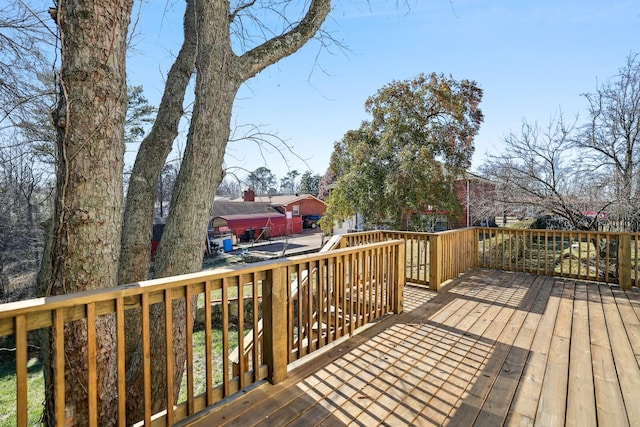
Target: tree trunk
[
  {"x": 150, "y": 160},
  {"x": 87, "y": 221},
  {"x": 219, "y": 75}
]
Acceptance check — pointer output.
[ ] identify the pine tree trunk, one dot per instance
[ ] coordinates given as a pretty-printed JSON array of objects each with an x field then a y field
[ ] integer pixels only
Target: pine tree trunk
[
  {"x": 219, "y": 75},
  {"x": 87, "y": 222},
  {"x": 150, "y": 160}
]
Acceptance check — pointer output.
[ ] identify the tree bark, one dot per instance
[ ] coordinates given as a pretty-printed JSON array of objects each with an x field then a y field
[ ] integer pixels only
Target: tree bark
[
  {"x": 150, "y": 160},
  {"x": 219, "y": 75},
  {"x": 87, "y": 222}
]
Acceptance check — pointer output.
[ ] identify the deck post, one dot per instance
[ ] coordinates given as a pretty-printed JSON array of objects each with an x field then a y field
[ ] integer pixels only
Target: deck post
[
  {"x": 624, "y": 260},
  {"x": 401, "y": 278},
  {"x": 274, "y": 311},
  {"x": 475, "y": 251},
  {"x": 435, "y": 257}
]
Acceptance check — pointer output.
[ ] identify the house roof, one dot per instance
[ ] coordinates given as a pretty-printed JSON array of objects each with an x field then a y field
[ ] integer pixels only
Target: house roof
[
  {"x": 473, "y": 177},
  {"x": 263, "y": 215},
  {"x": 279, "y": 200},
  {"x": 226, "y": 207}
]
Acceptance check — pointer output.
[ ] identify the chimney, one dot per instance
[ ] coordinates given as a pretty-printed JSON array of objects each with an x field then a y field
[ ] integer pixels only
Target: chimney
[{"x": 249, "y": 196}]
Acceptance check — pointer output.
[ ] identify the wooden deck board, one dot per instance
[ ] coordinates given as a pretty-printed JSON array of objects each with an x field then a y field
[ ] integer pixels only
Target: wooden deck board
[
  {"x": 581, "y": 406},
  {"x": 552, "y": 403},
  {"x": 493, "y": 348},
  {"x": 525, "y": 403},
  {"x": 609, "y": 404},
  {"x": 523, "y": 328},
  {"x": 625, "y": 302},
  {"x": 627, "y": 368}
]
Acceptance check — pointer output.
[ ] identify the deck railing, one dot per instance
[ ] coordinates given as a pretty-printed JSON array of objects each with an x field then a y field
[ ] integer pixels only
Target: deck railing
[
  {"x": 290, "y": 307},
  {"x": 607, "y": 257},
  {"x": 433, "y": 258},
  {"x": 248, "y": 323}
]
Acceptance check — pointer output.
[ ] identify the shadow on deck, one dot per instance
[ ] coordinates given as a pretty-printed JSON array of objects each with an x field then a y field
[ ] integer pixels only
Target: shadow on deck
[{"x": 492, "y": 348}]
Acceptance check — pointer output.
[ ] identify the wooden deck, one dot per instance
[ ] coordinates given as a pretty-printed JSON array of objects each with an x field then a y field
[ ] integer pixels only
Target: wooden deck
[{"x": 492, "y": 348}]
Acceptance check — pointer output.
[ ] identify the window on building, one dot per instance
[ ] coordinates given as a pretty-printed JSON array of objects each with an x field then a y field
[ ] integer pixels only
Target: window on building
[{"x": 296, "y": 210}]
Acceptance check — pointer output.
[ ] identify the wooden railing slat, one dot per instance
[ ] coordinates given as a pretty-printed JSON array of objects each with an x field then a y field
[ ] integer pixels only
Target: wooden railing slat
[
  {"x": 121, "y": 369},
  {"x": 92, "y": 364},
  {"x": 58, "y": 366},
  {"x": 241, "y": 360},
  {"x": 208, "y": 344},
  {"x": 146, "y": 358},
  {"x": 189, "y": 347},
  {"x": 168, "y": 327},
  {"x": 21, "y": 369},
  {"x": 256, "y": 332},
  {"x": 225, "y": 338}
]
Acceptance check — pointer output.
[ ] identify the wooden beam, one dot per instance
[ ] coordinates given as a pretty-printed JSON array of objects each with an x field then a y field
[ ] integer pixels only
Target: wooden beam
[
  {"x": 275, "y": 324},
  {"x": 400, "y": 273},
  {"x": 435, "y": 258},
  {"x": 624, "y": 260}
]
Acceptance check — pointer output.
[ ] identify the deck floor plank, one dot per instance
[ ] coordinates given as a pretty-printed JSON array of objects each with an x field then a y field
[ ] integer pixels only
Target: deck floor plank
[
  {"x": 626, "y": 365},
  {"x": 581, "y": 406},
  {"x": 524, "y": 405},
  {"x": 552, "y": 403},
  {"x": 501, "y": 328},
  {"x": 492, "y": 348},
  {"x": 625, "y": 302},
  {"x": 522, "y": 329},
  {"x": 609, "y": 404}
]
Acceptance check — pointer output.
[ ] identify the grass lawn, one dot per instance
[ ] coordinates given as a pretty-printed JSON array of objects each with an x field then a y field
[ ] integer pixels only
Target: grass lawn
[
  {"x": 35, "y": 381},
  {"x": 35, "y": 390},
  {"x": 199, "y": 361}
]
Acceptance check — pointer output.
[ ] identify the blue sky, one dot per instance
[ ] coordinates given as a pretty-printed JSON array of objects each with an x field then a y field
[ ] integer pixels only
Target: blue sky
[{"x": 531, "y": 58}]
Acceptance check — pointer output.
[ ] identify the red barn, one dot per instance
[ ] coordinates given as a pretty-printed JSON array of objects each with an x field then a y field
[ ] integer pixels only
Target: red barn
[
  {"x": 254, "y": 218},
  {"x": 256, "y": 226},
  {"x": 304, "y": 206}
]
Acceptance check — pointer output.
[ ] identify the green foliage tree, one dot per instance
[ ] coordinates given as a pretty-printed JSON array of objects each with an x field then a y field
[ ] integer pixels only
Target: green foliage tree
[
  {"x": 261, "y": 180},
  {"x": 288, "y": 183},
  {"x": 310, "y": 183},
  {"x": 406, "y": 158},
  {"x": 140, "y": 114}
]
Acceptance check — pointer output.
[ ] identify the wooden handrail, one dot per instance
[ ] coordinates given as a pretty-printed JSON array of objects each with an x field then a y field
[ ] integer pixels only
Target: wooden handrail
[{"x": 283, "y": 312}]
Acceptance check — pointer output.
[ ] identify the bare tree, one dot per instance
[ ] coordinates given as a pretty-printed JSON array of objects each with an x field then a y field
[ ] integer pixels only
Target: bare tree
[
  {"x": 24, "y": 39},
  {"x": 611, "y": 140},
  {"x": 229, "y": 187},
  {"x": 538, "y": 172},
  {"x": 23, "y": 203}
]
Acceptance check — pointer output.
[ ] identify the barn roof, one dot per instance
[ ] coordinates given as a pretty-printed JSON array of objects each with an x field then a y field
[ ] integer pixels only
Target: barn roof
[
  {"x": 281, "y": 200},
  {"x": 263, "y": 215},
  {"x": 263, "y": 218},
  {"x": 224, "y": 207}
]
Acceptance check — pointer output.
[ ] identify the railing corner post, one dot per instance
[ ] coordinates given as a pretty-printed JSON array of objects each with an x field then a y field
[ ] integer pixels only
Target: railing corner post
[
  {"x": 435, "y": 262},
  {"x": 275, "y": 324},
  {"x": 475, "y": 247},
  {"x": 401, "y": 269},
  {"x": 624, "y": 261}
]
